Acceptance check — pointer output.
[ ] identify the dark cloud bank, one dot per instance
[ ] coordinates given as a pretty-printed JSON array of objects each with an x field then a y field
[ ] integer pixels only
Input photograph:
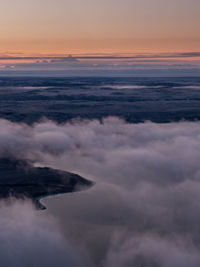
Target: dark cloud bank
[{"x": 144, "y": 210}]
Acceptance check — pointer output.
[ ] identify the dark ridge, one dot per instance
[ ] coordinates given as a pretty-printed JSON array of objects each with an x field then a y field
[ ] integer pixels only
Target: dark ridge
[{"x": 21, "y": 179}]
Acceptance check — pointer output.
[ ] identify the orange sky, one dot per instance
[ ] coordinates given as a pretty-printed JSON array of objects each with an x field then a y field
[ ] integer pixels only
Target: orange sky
[{"x": 89, "y": 26}]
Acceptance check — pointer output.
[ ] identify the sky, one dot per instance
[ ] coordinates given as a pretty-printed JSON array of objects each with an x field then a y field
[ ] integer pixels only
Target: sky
[{"x": 58, "y": 28}]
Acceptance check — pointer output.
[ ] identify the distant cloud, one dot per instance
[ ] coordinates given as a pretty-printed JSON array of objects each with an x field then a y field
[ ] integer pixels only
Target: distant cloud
[
  {"x": 168, "y": 64},
  {"x": 102, "y": 56}
]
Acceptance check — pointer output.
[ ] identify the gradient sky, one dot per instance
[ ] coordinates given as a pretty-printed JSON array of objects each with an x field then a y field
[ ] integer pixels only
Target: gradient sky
[{"x": 77, "y": 26}]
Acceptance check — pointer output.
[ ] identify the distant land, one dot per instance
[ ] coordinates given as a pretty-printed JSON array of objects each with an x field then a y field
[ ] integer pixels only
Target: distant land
[{"x": 161, "y": 100}]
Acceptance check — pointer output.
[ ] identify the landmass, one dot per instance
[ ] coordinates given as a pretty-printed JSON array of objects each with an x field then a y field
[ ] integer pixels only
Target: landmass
[{"x": 20, "y": 179}]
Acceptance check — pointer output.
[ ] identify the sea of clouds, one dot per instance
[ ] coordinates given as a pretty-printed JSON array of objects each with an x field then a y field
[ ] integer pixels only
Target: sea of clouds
[{"x": 144, "y": 210}]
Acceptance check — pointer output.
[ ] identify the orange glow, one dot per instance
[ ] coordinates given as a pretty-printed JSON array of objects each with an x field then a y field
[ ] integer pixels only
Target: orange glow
[
  {"x": 101, "y": 46},
  {"x": 114, "y": 26}
]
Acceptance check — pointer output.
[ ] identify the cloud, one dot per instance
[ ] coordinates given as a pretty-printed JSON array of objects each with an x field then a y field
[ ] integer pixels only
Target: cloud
[
  {"x": 150, "y": 251},
  {"x": 31, "y": 239},
  {"x": 144, "y": 146},
  {"x": 145, "y": 207},
  {"x": 9, "y": 56},
  {"x": 163, "y": 64}
]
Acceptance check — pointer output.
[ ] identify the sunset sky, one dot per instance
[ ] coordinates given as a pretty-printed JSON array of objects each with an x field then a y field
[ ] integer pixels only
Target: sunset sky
[
  {"x": 90, "y": 26},
  {"x": 39, "y": 35}
]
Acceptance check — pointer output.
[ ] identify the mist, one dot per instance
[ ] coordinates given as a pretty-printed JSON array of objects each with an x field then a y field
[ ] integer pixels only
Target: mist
[{"x": 29, "y": 238}]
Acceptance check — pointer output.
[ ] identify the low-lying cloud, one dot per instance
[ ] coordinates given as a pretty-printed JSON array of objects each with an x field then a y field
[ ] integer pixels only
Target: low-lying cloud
[
  {"x": 28, "y": 238},
  {"x": 145, "y": 207}
]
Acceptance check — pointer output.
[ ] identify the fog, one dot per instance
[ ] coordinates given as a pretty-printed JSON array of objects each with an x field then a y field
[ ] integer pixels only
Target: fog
[
  {"x": 29, "y": 239},
  {"x": 144, "y": 209}
]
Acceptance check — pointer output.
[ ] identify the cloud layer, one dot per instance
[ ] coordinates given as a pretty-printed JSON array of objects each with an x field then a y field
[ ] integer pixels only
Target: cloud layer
[
  {"x": 145, "y": 207},
  {"x": 156, "y": 65},
  {"x": 30, "y": 239}
]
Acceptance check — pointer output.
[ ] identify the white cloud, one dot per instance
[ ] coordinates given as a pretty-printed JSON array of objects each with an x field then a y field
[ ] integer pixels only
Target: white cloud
[{"x": 145, "y": 206}]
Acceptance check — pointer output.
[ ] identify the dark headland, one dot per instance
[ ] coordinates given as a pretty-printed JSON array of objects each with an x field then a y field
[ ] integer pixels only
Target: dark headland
[{"x": 21, "y": 179}]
